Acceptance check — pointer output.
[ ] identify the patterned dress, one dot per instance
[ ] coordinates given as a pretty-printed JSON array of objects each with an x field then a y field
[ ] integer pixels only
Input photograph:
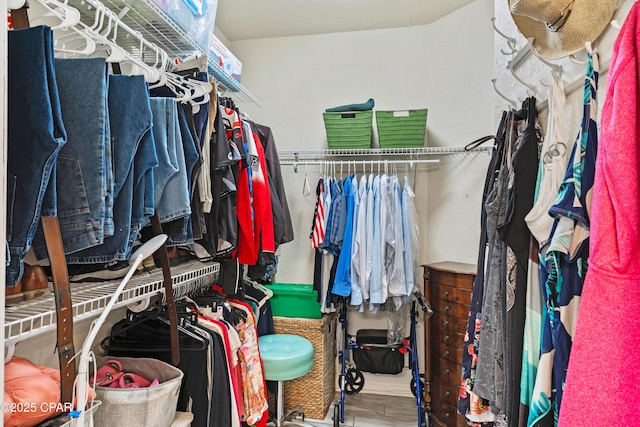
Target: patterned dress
[
  {"x": 470, "y": 404},
  {"x": 564, "y": 262}
]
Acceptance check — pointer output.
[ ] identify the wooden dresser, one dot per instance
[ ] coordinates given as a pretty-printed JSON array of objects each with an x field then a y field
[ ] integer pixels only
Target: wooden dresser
[{"x": 447, "y": 287}]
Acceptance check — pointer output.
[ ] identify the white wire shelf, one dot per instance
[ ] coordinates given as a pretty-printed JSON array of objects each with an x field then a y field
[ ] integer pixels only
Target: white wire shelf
[
  {"x": 30, "y": 318},
  {"x": 377, "y": 153},
  {"x": 145, "y": 18}
]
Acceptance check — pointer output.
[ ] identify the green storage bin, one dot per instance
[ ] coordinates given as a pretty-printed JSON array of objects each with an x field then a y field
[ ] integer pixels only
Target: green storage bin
[
  {"x": 295, "y": 300},
  {"x": 349, "y": 130},
  {"x": 401, "y": 128}
]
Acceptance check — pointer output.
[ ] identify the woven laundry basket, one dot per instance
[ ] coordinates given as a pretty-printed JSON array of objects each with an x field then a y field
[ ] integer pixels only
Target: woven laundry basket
[{"x": 314, "y": 391}]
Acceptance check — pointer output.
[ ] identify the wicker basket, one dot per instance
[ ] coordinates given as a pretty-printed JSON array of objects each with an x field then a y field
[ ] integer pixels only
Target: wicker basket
[
  {"x": 401, "y": 129},
  {"x": 349, "y": 130},
  {"x": 315, "y": 391}
]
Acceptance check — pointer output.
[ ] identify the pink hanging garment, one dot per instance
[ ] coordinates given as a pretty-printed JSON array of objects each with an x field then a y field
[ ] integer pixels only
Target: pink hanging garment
[{"x": 601, "y": 387}]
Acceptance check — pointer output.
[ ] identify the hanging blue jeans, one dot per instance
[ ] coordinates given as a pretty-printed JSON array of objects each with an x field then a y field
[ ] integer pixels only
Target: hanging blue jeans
[
  {"x": 130, "y": 119},
  {"x": 35, "y": 136},
  {"x": 82, "y": 162},
  {"x": 171, "y": 182}
]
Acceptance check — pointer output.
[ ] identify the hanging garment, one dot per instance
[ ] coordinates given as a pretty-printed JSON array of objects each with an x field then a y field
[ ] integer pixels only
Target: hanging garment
[
  {"x": 470, "y": 404},
  {"x": 234, "y": 414},
  {"x": 318, "y": 225},
  {"x": 179, "y": 230},
  {"x": 602, "y": 365},
  {"x": 489, "y": 382},
  {"x": 130, "y": 118},
  {"x": 395, "y": 241},
  {"x": 551, "y": 169},
  {"x": 151, "y": 339},
  {"x": 356, "y": 291},
  {"x": 370, "y": 236},
  {"x": 263, "y": 231},
  {"x": 375, "y": 283},
  {"x": 514, "y": 232},
  {"x": 359, "y": 256},
  {"x": 411, "y": 233},
  {"x": 221, "y": 222},
  {"x": 34, "y": 139},
  {"x": 83, "y": 161},
  {"x": 336, "y": 231},
  {"x": 342, "y": 283},
  {"x": 283, "y": 228},
  {"x": 565, "y": 262},
  {"x": 253, "y": 382}
]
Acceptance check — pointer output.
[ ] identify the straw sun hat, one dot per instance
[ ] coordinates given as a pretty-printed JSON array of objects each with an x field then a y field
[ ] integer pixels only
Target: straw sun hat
[{"x": 561, "y": 27}]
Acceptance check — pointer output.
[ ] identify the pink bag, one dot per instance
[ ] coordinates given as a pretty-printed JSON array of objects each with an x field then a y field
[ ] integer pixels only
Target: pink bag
[{"x": 111, "y": 375}]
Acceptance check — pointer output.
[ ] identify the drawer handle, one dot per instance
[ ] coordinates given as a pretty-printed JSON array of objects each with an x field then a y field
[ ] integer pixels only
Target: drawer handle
[
  {"x": 445, "y": 293},
  {"x": 447, "y": 393},
  {"x": 446, "y": 337},
  {"x": 447, "y": 415},
  {"x": 447, "y": 308},
  {"x": 445, "y": 323},
  {"x": 447, "y": 371},
  {"x": 447, "y": 352}
]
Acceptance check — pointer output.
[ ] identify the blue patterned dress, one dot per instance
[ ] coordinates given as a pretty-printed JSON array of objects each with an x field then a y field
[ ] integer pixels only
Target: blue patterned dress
[{"x": 563, "y": 262}]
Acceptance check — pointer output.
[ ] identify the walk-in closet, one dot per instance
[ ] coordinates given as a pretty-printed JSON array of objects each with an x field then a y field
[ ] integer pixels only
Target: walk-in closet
[{"x": 229, "y": 213}]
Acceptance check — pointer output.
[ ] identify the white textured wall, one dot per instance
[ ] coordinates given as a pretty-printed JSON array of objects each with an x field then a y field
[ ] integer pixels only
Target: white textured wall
[
  {"x": 532, "y": 70},
  {"x": 445, "y": 66}
]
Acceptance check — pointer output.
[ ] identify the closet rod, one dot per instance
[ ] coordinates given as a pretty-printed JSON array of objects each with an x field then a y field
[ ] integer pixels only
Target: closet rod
[
  {"x": 363, "y": 163},
  {"x": 373, "y": 153}
]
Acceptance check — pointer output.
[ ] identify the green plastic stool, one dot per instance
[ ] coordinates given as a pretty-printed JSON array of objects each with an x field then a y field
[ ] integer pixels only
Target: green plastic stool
[{"x": 285, "y": 357}]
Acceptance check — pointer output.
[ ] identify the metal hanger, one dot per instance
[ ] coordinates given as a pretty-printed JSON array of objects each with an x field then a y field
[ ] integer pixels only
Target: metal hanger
[{"x": 306, "y": 190}]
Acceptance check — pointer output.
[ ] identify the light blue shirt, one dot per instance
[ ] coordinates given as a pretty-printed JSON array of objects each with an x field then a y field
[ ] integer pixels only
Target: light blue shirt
[
  {"x": 409, "y": 231},
  {"x": 375, "y": 284}
]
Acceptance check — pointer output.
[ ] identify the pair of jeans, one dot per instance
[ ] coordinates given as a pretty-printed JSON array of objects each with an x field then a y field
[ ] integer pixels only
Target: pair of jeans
[
  {"x": 130, "y": 120},
  {"x": 85, "y": 208},
  {"x": 180, "y": 231},
  {"x": 35, "y": 136},
  {"x": 171, "y": 179}
]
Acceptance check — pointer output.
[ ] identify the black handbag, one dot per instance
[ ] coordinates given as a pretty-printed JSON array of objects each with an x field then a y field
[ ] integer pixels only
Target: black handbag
[{"x": 374, "y": 355}]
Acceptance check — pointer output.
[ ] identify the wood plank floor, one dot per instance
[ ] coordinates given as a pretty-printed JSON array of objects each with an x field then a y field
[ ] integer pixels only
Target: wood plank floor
[{"x": 372, "y": 410}]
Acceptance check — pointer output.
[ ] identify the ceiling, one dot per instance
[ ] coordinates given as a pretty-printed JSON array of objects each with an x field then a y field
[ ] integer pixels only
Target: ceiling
[{"x": 256, "y": 19}]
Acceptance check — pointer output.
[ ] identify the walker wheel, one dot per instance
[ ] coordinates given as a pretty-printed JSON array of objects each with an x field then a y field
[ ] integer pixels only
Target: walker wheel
[
  {"x": 413, "y": 385},
  {"x": 336, "y": 415},
  {"x": 354, "y": 381}
]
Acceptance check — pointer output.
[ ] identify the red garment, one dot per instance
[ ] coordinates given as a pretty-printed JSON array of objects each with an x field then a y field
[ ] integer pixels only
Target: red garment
[
  {"x": 234, "y": 370},
  {"x": 601, "y": 388},
  {"x": 263, "y": 237},
  {"x": 256, "y": 221}
]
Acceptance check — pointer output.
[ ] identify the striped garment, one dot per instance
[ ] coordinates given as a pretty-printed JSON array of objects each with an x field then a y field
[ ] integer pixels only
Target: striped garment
[{"x": 318, "y": 227}]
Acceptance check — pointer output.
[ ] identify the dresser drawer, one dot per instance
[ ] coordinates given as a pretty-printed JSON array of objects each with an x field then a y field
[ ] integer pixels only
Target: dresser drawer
[
  {"x": 448, "y": 324},
  {"x": 442, "y": 276},
  {"x": 455, "y": 339},
  {"x": 448, "y": 288},
  {"x": 447, "y": 415},
  {"x": 445, "y": 371},
  {"x": 450, "y": 308},
  {"x": 447, "y": 352},
  {"x": 449, "y": 294},
  {"x": 447, "y": 393},
  {"x": 444, "y": 406}
]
